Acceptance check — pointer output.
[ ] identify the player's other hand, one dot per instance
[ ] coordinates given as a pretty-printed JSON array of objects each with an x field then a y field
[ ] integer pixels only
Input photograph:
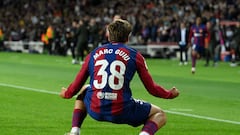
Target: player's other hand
[
  {"x": 174, "y": 92},
  {"x": 62, "y": 93}
]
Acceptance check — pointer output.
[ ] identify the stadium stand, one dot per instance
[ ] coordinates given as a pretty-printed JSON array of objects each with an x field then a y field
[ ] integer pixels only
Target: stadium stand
[{"x": 155, "y": 21}]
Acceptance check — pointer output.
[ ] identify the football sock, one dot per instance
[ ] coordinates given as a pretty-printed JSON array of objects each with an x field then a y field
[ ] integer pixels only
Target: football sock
[
  {"x": 78, "y": 117},
  {"x": 75, "y": 130},
  {"x": 149, "y": 127},
  {"x": 144, "y": 133},
  {"x": 193, "y": 61}
]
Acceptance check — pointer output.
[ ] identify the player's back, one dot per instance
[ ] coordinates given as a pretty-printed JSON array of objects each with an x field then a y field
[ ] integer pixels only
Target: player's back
[{"x": 111, "y": 68}]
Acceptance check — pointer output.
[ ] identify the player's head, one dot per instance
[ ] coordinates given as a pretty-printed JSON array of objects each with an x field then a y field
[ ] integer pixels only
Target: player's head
[
  {"x": 119, "y": 31},
  {"x": 198, "y": 20}
]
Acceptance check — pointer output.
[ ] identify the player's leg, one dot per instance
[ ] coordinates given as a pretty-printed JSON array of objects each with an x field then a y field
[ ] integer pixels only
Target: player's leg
[
  {"x": 79, "y": 112},
  {"x": 194, "y": 59},
  {"x": 157, "y": 119},
  {"x": 207, "y": 55}
]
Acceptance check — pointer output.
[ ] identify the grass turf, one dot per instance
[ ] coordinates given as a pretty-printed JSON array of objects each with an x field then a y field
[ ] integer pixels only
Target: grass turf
[{"x": 213, "y": 92}]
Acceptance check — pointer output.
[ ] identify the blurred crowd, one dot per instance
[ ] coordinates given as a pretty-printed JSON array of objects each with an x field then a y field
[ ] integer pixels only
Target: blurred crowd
[{"x": 153, "y": 20}]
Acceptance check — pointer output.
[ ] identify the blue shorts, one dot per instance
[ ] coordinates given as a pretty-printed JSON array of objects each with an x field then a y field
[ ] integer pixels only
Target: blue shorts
[
  {"x": 135, "y": 113},
  {"x": 198, "y": 48}
]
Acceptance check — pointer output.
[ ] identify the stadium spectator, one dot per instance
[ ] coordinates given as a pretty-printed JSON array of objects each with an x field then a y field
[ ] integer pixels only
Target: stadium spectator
[
  {"x": 108, "y": 97},
  {"x": 197, "y": 41},
  {"x": 163, "y": 14},
  {"x": 182, "y": 39}
]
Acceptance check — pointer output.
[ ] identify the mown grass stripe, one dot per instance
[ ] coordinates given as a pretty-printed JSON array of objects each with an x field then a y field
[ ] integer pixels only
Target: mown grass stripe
[{"x": 168, "y": 111}]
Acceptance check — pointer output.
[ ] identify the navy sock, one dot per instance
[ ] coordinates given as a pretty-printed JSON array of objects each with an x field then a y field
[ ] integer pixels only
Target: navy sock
[
  {"x": 78, "y": 117},
  {"x": 150, "y": 127}
]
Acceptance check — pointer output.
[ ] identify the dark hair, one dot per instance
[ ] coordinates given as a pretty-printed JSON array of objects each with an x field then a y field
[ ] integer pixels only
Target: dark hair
[{"x": 119, "y": 30}]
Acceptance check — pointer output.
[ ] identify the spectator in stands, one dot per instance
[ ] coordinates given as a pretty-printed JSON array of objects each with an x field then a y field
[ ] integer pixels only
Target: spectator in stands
[
  {"x": 197, "y": 40},
  {"x": 145, "y": 33},
  {"x": 37, "y": 14},
  {"x": 182, "y": 39}
]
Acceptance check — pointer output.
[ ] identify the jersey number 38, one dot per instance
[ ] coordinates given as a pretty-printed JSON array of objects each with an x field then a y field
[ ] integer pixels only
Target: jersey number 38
[{"x": 115, "y": 79}]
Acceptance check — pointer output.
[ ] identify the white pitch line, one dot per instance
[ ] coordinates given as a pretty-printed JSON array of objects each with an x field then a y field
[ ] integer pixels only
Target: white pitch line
[
  {"x": 168, "y": 111},
  {"x": 203, "y": 117},
  {"x": 29, "y": 89}
]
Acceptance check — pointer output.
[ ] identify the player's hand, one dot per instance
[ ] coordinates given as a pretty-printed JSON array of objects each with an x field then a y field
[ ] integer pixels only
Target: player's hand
[
  {"x": 174, "y": 92},
  {"x": 62, "y": 93}
]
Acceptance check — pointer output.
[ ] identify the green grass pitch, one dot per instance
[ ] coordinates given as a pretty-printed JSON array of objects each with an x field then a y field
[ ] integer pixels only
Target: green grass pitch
[{"x": 209, "y": 103}]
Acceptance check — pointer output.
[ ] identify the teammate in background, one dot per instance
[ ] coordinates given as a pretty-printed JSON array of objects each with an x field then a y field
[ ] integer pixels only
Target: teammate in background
[
  {"x": 111, "y": 67},
  {"x": 197, "y": 38},
  {"x": 182, "y": 38}
]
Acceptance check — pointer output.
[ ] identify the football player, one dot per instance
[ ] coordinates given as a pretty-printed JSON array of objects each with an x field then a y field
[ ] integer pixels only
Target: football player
[{"x": 108, "y": 97}]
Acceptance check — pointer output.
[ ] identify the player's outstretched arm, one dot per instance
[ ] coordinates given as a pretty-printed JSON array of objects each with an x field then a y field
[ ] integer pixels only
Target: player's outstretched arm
[
  {"x": 62, "y": 93},
  {"x": 78, "y": 83},
  {"x": 175, "y": 92},
  {"x": 152, "y": 87}
]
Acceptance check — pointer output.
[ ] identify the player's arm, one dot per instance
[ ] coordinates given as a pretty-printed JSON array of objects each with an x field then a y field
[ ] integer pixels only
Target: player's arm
[
  {"x": 152, "y": 87},
  {"x": 78, "y": 83}
]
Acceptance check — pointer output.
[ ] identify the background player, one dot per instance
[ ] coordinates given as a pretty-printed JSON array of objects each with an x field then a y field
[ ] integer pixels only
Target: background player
[
  {"x": 111, "y": 67},
  {"x": 197, "y": 38}
]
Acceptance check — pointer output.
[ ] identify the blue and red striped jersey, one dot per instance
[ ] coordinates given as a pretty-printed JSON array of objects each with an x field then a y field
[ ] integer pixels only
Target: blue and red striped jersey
[
  {"x": 111, "y": 68},
  {"x": 198, "y": 33}
]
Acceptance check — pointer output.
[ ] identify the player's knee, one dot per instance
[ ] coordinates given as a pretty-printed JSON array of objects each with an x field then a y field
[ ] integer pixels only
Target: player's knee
[
  {"x": 79, "y": 104},
  {"x": 159, "y": 117},
  {"x": 162, "y": 117}
]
